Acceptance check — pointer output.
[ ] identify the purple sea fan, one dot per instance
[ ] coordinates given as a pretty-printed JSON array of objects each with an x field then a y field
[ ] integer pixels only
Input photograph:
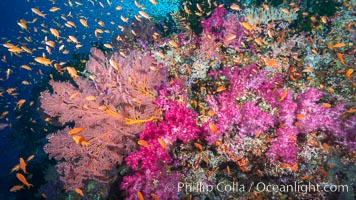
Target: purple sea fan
[{"x": 107, "y": 108}]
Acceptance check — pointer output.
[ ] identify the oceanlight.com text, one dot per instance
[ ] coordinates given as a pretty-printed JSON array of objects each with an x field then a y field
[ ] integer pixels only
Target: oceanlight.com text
[{"x": 235, "y": 187}]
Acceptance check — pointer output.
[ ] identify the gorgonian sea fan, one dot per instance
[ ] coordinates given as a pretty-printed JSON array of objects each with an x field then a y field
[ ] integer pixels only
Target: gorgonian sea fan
[{"x": 107, "y": 109}]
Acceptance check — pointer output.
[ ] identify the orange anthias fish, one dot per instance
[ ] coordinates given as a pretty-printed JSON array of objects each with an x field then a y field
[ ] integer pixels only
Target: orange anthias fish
[
  {"x": 16, "y": 188},
  {"x": 162, "y": 143},
  {"x": 44, "y": 61},
  {"x": 20, "y": 103},
  {"x": 349, "y": 73},
  {"x": 23, "y": 180},
  {"x": 80, "y": 140},
  {"x": 38, "y": 12},
  {"x": 23, "y": 165},
  {"x": 271, "y": 62},
  {"x": 144, "y": 14},
  {"x": 143, "y": 143},
  {"x": 75, "y": 131},
  {"x": 79, "y": 191},
  {"x": 140, "y": 196}
]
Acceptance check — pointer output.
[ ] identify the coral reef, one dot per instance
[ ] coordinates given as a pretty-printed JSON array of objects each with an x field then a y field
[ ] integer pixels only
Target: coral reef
[{"x": 243, "y": 102}]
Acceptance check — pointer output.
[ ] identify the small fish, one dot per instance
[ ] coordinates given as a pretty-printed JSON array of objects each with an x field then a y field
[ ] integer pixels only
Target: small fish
[
  {"x": 198, "y": 146},
  {"x": 26, "y": 49},
  {"x": 211, "y": 113},
  {"x": 326, "y": 105},
  {"x": 90, "y": 98},
  {"x": 140, "y": 196},
  {"x": 162, "y": 143},
  {"x": 229, "y": 37},
  {"x": 118, "y": 8},
  {"x": 271, "y": 62},
  {"x": 114, "y": 64},
  {"x": 124, "y": 19},
  {"x": 73, "y": 39},
  {"x": 38, "y": 12},
  {"x": 308, "y": 69},
  {"x": 54, "y": 9},
  {"x": 313, "y": 142},
  {"x": 154, "y": 2},
  {"x": 349, "y": 73},
  {"x": 80, "y": 140},
  {"x": 339, "y": 45},
  {"x": 23, "y": 180},
  {"x": 44, "y": 61},
  {"x": 155, "y": 196},
  {"x": 284, "y": 95},
  {"x": 285, "y": 10},
  {"x": 213, "y": 128},
  {"x": 23, "y": 165},
  {"x": 199, "y": 7},
  {"x": 220, "y": 88},
  {"x": 161, "y": 55},
  {"x": 323, "y": 172},
  {"x": 16, "y": 168},
  {"x": 8, "y": 72},
  {"x": 174, "y": 44},
  {"x": 101, "y": 23},
  {"x": 50, "y": 43},
  {"x": 23, "y": 24},
  {"x": 341, "y": 58},
  {"x": 143, "y": 143},
  {"x": 72, "y": 72},
  {"x": 30, "y": 158},
  {"x": 247, "y": 26},
  {"x": 84, "y": 22},
  {"x": 235, "y": 7},
  {"x": 259, "y": 41},
  {"x": 306, "y": 177},
  {"x": 26, "y": 67},
  {"x": 16, "y": 188},
  {"x": 144, "y": 14},
  {"x": 265, "y": 6},
  {"x": 301, "y": 116},
  {"x": 75, "y": 131},
  {"x": 186, "y": 10},
  {"x": 20, "y": 103},
  {"x": 3, "y": 126},
  {"x": 228, "y": 170},
  {"x": 324, "y": 19},
  {"x": 79, "y": 191},
  {"x": 109, "y": 46}
]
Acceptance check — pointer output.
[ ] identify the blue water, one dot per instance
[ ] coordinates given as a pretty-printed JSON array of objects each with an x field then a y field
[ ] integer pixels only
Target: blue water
[{"x": 14, "y": 143}]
